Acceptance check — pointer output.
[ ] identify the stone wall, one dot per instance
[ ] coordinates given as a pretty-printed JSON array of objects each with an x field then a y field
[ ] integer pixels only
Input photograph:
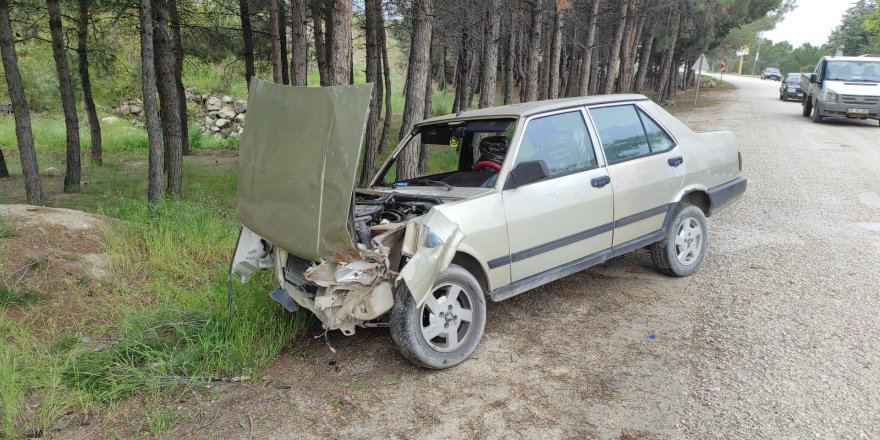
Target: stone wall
[{"x": 222, "y": 116}]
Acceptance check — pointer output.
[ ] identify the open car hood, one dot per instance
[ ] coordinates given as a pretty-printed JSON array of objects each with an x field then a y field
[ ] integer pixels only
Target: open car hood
[{"x": 297, "y": 165}]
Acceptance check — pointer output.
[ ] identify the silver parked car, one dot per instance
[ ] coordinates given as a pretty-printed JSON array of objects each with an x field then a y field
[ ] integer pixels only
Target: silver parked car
[{"x": 506, "y": 199}]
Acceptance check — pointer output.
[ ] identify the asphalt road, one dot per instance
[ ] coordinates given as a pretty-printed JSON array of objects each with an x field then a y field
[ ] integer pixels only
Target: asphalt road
[{"x": 777, "y": 336}]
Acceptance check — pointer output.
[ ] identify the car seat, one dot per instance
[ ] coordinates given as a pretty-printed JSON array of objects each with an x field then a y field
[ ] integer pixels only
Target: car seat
[{"x": 493, "y": 150}]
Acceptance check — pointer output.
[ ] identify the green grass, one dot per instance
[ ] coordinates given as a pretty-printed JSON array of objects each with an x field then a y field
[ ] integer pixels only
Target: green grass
[
  {"x": 10, "y": 297},
  {"x": 177, "y": 257}
]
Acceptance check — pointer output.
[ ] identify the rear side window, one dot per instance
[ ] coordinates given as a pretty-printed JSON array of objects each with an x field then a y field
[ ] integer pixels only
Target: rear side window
[
  {"x": 620, "y": 129},
  {"x": 627, "y": 133},
  {"x": 658, "y": 140},
  {"x": 561, "y": 141}
]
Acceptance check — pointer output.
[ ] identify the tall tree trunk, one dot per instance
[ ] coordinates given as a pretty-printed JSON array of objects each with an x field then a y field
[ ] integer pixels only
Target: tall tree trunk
[
  {"x": 320, "y": 38},
  {"x": 669, "y": 57},
  {"x": 637, "y": 38},
  {"x": 82, "y": 33},
  {"x": 282, "y": 41},
  {"x": 556, "y": 51},
  {"x": 339, "y": 61},
  {"x": 30, "y": 171},
  {"x": 462, "y": 73},
  {"x": 386, "y": 73},
  {"x": 442, "y": 69},
  {"x": 544, "y": 86},
  {"x": 275, "y": 41},
  {"x": 247, "y": 35},
  {"x": 151, "y": 107},
  {"x": 299, "y": 57},
  {"x": 593, "y": 84},
  {"x": 168, "y": 99},
  {"x": 611, "y": 71},
  {"x": 73, "y": 174},
  {"x": 626, "y": 49},
  {"x": 489, "y": 78},
  {"x": 574, "y": 72},
  {"x": 374, "y": 63},
  {"x": 177, "y": 47},
  {"x": 510, "y": 63},
  {"x": 534, "y": 56},
  {"x": 645, "y": 59},
  {"x": 587, "y": 70},
  {"x": 429, "y": 111},
  {"x": 473, "y": 75},
  {"x": 417, "y": 74},
  {"x": 4, "y": 170}
]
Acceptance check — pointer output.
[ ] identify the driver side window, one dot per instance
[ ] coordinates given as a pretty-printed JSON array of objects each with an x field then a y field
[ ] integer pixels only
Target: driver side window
[{"x": 561, "y": 141}]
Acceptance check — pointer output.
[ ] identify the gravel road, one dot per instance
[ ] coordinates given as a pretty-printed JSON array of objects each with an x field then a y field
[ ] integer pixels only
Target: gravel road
[{"x": 777, "y": 336}]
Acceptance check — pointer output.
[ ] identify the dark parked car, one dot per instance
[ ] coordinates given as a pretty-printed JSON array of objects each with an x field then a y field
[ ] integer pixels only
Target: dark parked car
[
  {"x": 771, "y": 73},
  {"x": 791, "y": 87}
]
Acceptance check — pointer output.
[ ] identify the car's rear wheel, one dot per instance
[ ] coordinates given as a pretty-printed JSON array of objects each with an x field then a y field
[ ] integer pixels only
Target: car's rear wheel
[
  {"x": 683, "y": 248},
  {"x": 807, "y": 106},
  {"x": 447, "y": 327}
]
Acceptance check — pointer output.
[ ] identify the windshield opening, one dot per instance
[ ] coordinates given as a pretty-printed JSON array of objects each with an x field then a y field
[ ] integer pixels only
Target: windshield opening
[
  {"x": 868, "y": 71},
  {"x": 458, "y": 154}
]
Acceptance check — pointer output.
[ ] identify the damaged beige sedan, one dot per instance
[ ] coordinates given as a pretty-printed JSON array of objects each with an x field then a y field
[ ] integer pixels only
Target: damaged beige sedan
[{"x": 512, "y": 198}]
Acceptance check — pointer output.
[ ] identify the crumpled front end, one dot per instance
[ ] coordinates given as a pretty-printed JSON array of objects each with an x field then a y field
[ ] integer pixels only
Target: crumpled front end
[{"x": 348, "y": 290}]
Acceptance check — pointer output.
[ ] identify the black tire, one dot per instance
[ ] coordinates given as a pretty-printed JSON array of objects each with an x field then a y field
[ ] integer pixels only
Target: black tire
[
  {"x": 407, "y": 321},
  {"x": 665, "y": 253},
  {"x": 816, "y": 116},
  {"x": 807, "y": 106},
  {"x": 782, "y": 97}
]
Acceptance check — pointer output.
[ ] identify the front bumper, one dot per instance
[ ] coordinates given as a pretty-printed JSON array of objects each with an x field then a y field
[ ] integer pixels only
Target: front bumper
[{"x": 843, "y": 110}]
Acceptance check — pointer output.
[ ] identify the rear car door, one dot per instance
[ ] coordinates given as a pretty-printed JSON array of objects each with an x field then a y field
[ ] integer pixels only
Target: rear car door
[
  {"x": 645, "y": 166},
  {"x": 567, "y": 215}
]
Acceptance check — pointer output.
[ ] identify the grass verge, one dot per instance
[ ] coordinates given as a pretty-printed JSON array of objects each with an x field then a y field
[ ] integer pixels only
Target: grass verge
[{"x": 173, "y": 261}]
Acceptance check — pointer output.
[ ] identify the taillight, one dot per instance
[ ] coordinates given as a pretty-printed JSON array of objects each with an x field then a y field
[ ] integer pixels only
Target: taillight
[{"x": 740, "y": 156}]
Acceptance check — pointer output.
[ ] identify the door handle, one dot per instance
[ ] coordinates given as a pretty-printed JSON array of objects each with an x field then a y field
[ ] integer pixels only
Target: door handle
[
  {"x": 675, "y": 161},
  {"x": 600, "y": 182}
]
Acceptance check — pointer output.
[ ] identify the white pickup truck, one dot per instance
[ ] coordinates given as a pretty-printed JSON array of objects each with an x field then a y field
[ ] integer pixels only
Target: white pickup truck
[{"x": 843, "y": 87}]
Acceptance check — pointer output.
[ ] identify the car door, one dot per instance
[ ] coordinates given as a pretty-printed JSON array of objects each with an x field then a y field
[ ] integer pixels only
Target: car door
[
  {"x": 567, "y": 215},
  {"x": 645, "y": 166}
]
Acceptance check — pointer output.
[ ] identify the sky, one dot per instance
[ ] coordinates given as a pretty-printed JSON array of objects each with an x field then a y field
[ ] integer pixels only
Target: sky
[{"x": 812, "y": 22}]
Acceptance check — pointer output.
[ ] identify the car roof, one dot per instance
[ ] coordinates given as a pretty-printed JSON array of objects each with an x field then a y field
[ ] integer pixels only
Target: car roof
[
  {"x": 534, "y": 107},
  {"x": 859, "y": 58}
]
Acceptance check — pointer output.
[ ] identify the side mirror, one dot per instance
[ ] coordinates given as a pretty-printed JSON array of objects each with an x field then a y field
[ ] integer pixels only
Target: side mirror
[
  {"x": 814, "y": 78},
  {"x": 527, "y": 172}
]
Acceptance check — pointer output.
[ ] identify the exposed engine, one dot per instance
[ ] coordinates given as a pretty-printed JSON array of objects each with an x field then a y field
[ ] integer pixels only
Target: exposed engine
[{"x": 373, "y": 210}]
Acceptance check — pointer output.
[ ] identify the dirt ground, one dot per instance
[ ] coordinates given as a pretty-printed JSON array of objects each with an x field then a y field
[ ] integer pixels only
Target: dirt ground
[
  {"x": 777, "y": 336},
  {"x": 59, "y": 258}
]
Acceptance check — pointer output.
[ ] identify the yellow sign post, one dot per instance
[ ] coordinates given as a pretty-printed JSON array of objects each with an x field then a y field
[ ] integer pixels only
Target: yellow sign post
[{"x": 741, "y": 54}]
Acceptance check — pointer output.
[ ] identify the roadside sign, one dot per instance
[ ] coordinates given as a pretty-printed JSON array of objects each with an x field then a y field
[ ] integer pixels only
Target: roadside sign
[{"x": 700, "y": 64}]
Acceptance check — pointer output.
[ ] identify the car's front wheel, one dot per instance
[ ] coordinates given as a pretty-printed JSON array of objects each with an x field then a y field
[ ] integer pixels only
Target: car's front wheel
[
  {"x": 816, "y": 116},
  {"x": 446, "y": 328},
  {"x": 682, "y": 249}
]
